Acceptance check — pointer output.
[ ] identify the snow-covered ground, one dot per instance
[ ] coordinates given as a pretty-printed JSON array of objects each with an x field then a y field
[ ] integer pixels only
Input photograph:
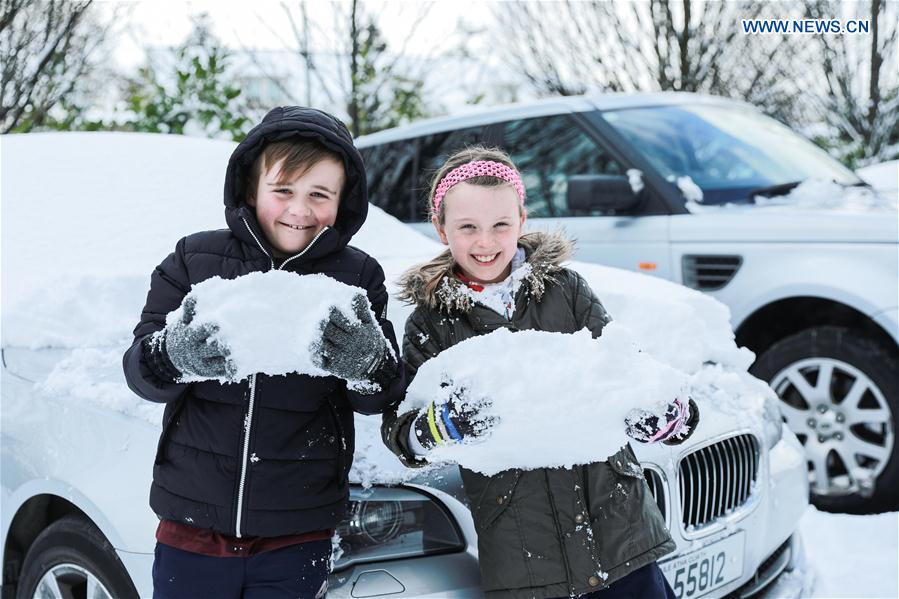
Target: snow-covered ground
[
  {"x": 79, "y": 243},
  {"x": 852, "y": 556}
]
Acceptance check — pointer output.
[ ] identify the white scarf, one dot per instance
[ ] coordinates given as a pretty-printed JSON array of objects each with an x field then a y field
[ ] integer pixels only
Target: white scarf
[{"x": 500, "y": 296}]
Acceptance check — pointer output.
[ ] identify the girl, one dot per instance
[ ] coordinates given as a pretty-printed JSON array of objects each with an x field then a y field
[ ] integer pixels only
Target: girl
[{"x": 589, "y": 531}]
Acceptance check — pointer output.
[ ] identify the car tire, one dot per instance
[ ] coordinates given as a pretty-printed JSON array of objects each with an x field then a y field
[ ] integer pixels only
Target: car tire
[
  {"x": 73, "y": 554},
  {"x": 845, "y": 420}
]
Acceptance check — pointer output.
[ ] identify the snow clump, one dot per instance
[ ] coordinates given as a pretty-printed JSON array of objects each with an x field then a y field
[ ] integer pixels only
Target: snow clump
[
  {"x": 561, "y": 399},
  {"x": 269, "y": 320},
  {"x": 635, "y": 178}
]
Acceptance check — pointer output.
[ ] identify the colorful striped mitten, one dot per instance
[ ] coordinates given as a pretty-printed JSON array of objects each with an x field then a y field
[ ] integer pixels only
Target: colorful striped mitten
[
  {"x": 452, "y": 421},
  {"x": 675, "y": 427}
]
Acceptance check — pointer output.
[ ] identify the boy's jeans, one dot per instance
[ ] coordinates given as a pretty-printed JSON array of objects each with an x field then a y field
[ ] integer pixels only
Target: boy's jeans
[{"x": 295, "y": 571}]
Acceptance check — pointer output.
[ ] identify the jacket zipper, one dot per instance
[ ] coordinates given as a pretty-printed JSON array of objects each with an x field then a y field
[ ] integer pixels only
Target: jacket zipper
[
  {"x": 248, "y": 422},
  {"x": 269, "y": 256},
  {"x": 248, "y": 419},
  {"x": 558, "y": 524}
]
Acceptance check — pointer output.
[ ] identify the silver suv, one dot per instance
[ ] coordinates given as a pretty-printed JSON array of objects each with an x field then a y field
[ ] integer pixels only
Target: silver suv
[{"x": 710, "y": 193}]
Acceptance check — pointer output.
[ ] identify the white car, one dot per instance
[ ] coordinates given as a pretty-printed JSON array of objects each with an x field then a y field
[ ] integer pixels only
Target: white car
[
  {"x": 710, "y": 193},
  {"x": 87, "y": 217}
]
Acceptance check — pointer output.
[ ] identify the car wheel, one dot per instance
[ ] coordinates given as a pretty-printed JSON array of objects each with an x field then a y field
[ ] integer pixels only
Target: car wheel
[
  {"x": 71, "y": 559},
  {"x": 839, "y": 394}
]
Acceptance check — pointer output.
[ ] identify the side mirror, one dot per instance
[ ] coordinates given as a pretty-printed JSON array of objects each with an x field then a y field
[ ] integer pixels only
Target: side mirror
[{"x": 601, "y": 192}]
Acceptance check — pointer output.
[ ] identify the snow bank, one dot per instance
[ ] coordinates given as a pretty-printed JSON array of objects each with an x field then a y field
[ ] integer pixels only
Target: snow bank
[
  {"x": 102, "y": 204},
  {"x": 386, "y": 238},
  {"x": 95, "y": 376},
  {"x": 678, "y": 326},
  {"x": 270, "y": 320},
  {"x": 90, "y": 311},
  {"x": 857, "y": 556}
]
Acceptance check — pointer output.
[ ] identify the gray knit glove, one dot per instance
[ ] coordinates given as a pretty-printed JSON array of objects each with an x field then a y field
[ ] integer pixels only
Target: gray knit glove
[
  {"x": 184, "y": 350},
  {"x": 355, "y": 351}
]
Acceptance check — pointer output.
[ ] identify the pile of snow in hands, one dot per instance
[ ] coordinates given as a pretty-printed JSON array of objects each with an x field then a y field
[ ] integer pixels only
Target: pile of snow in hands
[
  {"x": 560, "y": 400},
  {"x": 271, "y": 321},
  {"x": 562, "y": 397}
]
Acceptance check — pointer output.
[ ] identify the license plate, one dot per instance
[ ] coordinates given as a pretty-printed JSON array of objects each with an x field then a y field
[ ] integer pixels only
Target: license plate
[{"x": 698, "y": 573}]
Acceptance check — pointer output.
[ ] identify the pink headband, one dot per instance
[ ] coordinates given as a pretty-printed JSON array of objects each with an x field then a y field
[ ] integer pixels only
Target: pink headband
[{"x": 478, "y": 168}]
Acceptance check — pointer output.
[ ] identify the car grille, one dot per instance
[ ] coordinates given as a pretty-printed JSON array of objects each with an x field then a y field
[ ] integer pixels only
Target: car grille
[
  {"x": 656, "y": 487},
  {"x": 717, "y": 479}
]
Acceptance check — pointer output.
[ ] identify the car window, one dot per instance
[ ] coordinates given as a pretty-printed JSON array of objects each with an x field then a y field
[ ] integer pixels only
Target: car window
[
  {"x": 548, "y": 150},
  {"x": 389, "y": 170},
  {"x": 399, "y": 173},
  {"x": 728, "y": 151}
]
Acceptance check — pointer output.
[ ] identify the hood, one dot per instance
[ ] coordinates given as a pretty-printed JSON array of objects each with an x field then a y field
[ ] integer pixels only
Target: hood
[
  {"x": 435, "y": 285},
  {"x": 785, "y": 224},
  {"x": 296, "y": 122}
]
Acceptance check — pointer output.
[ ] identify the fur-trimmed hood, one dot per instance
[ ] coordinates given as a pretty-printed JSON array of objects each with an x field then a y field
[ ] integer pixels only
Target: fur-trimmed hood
[{"x": 435, "y": 285}]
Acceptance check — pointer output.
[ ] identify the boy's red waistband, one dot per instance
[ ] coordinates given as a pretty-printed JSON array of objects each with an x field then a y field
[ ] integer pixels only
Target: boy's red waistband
[{"x": 214, "y": 544}]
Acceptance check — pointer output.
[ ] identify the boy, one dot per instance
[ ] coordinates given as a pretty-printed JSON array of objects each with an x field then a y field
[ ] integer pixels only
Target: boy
[{"x": 250, "y": 478}]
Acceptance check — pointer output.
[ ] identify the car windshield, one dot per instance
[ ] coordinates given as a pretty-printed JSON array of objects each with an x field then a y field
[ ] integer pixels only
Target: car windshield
[{"x": 728, "y": 151}]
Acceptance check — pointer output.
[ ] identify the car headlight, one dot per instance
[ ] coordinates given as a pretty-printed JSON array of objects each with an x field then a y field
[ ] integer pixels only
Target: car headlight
[
  {"x": 387, "y": 523},
  {"x": 773, "y": 421}
]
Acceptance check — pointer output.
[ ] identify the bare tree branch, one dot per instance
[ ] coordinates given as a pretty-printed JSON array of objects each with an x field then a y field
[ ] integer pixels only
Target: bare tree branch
[{"x": 48, "y": 49}]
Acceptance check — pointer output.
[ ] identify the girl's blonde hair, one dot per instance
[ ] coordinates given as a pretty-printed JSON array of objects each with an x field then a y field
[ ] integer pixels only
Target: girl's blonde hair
[{"x": 469, "y": 154}]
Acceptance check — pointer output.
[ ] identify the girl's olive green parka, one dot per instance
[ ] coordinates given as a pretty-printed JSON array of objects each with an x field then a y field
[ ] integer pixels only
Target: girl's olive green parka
[{"x": 548, "y": 532}]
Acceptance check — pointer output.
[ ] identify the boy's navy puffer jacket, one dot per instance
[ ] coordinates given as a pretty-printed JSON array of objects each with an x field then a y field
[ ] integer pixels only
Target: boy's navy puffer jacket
[{"x": 267, "y": 456}]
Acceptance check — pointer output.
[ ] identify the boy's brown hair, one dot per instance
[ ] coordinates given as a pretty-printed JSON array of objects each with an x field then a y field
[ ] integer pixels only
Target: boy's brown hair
[
  {"x": 469, "y": 154},
  {"x": 298, "y": 155}
]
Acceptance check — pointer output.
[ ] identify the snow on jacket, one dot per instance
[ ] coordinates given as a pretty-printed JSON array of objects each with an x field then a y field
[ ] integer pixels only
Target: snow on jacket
[
  {"x": 548, "y": 532},
  {"x": 280, "y": 468}
]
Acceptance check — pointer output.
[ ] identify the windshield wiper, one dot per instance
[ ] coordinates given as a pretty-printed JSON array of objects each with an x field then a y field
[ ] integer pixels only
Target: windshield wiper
[{"x": 781, "y": 189}]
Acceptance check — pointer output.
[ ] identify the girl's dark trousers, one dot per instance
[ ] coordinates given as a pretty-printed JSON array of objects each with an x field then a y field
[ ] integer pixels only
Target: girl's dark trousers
[{"x": 647, "y": 582}]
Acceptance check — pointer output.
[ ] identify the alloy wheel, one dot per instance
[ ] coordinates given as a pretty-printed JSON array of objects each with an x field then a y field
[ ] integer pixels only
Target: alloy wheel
[
  {"x": 843, "y": 420},
  {"x": 70, "y": 581}
]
